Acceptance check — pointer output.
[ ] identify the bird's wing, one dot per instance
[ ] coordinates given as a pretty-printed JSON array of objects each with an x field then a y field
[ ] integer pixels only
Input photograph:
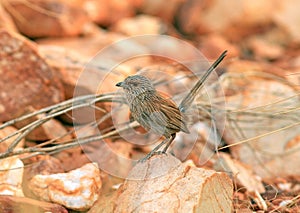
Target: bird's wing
[
  {"x": 177, "y": 119},
  {"x": 159, "y": 114}
]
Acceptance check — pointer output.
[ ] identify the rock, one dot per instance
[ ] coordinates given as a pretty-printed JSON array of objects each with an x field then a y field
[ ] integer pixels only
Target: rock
[
  {"x": 82, "y": 76},
  {"x": 48, "y": 18},
  {"x": 10, "y": 204},
  {"x": 6, "y": 21},
  {"x": 140, "y": 25},
  {"x": 41, "y": 165},
  {"x": 243, "y": 174},
  {"x": 286, "y": 165},
  {"x": 264, "y": 48},
  {"x": 115, "y": 156},
  {"x": 234, "y": 19},
  {"x": 72, "y": 158},
  {"x": 77, "y": 189},
  {"x": 287, "y": 18},
  {"x": 239, "y": 67},
  {"x": 70, "y": 65},
  {"x": 213, "y": 45},
  {"x": 263, "y": 102},
  {"x": 5, "y": 144},
  {"x": 79, "y": 79},
  {"x": 26, "y": 79},
  {"x": 86, "y": 46},
  {"x": 199, "y": 145},
  {"x": 164, "y": 184},
  {"x": 52, "y": 129},
  {"x": 67, "y": 65},
  {"x": 107, "y": 12},
  {"x": 11, "y": 174},
  {"x": 166, "y": 10}
]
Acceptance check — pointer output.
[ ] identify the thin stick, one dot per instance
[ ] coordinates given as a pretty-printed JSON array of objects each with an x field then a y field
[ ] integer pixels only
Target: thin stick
[
  {"x": 260, "y": 136},
  {"x": 69, "y": 144}
]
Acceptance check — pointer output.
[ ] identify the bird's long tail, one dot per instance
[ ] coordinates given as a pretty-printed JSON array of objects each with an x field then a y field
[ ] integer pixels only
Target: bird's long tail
[{"x": 189, "y": 98}]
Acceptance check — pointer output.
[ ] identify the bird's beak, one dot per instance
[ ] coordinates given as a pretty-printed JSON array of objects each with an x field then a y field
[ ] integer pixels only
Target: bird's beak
[{"x": 120, "y": 84}]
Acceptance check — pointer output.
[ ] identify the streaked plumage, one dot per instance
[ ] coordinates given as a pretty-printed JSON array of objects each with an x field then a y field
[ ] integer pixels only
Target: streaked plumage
[
  {"x": 150, "y": 109},
  {"x": 155, "y": 112}
]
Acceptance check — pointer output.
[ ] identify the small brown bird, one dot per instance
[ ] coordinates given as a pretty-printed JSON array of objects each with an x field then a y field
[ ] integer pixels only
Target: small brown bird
[{"x": 156, "y": 113}]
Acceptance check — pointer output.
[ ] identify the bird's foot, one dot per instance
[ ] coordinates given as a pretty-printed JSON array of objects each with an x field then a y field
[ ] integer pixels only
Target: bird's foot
[{"x": 150, "y": 154}]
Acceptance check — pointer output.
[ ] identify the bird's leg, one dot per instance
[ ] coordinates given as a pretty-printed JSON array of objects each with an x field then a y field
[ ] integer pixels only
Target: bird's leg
[
  {"x": 154, "y": 151},
  {"x": 169, "y": 143}
]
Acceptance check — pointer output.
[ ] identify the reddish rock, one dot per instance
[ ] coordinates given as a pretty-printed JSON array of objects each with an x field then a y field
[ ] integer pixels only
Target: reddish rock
[
  {"x": 5, "y": 144},
  {"x": 287, "y": 17},
  {"x": 82, "y": 76},
  {"x": 69, "y": 66},
  {"x": 214, "y": 44},
  {"x": 163, "y": 9},
  {"x": 48, "y": 18},
  {"x": 43, "y": 165},
  {"x": 140, "y": 25},
  {"x": 107, "y": 12},
  {"x": 26, "y": 79},
  {"x": 234, "y": 19},
  {"x": 52, "y": 129},
  {"x": 10, "y": 204},
  {"x": 88, "y": 46},
  {"x": 72, "y": 158},
  {"x": 6, "y": 21}
]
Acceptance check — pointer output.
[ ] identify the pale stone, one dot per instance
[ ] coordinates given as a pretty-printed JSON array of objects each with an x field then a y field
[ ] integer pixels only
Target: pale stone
[
  {"x": 11, "y": 175},
  {"x": 261, "y": 109},
  {"x": 77, "y": 189},
  {"x": 164, "y": 184}
]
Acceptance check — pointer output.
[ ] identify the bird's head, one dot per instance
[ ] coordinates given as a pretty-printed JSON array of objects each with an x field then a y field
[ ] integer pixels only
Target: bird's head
[{"x": 136, "y": 84}]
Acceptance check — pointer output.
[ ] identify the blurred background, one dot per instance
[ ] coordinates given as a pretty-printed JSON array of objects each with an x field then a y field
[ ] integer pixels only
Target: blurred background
[{"x": 45, "y": 45}]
